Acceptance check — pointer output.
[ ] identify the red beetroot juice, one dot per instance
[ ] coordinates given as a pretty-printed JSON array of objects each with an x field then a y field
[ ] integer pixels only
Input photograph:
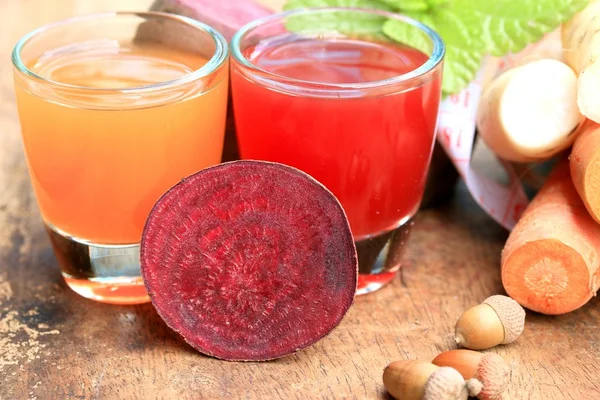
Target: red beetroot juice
[{"x": 370, "y": 147}]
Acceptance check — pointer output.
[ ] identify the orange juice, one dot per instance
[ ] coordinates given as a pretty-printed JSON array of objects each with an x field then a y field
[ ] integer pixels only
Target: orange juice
[{"x": 99, "y": 161}]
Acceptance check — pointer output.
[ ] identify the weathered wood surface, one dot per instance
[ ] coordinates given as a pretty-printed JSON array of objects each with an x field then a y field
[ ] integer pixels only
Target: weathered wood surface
[{"x": 57, "y": 345}]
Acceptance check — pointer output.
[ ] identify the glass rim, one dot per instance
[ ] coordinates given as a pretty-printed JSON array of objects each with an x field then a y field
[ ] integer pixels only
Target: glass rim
[
  {"x": 436, "y": 57},
  {"x": 218, "y": 58}
]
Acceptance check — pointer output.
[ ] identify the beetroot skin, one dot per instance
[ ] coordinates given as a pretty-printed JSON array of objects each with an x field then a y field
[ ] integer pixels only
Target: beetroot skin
[{"x": 249, "y": 260}]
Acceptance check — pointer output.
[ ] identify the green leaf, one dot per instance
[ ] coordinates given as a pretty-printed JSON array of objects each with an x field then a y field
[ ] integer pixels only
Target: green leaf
[
  {"x": 344, "y": 22},
  {"x": 458, "y": 74},
  {"x": 460, "y": 63},
  {"x": 408, "y": 34},
  {"x": 408, "y": 5},
  {"x": 508, "y": 26},
  {"x": 436, "y": 3},
  {"x": 470, "y": 29}
]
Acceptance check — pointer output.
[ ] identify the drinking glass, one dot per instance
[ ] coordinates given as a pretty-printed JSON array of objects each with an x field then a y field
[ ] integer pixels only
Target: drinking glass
[
  {"x": 115, "y": 108},
  {"x": 326, "y": 91}
]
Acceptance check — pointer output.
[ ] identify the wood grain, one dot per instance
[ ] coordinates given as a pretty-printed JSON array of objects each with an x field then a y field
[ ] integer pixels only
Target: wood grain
[{"x": 57, "y": 345}]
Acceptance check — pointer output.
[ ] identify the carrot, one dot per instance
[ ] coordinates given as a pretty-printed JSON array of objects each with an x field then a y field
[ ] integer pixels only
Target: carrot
[
  {"x": 585, "y": 168},
  {"x": 551, "y": 260}
]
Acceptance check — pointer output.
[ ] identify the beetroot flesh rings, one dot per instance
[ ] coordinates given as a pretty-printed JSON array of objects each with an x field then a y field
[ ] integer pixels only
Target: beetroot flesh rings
[{"x": 249, "y": 260}]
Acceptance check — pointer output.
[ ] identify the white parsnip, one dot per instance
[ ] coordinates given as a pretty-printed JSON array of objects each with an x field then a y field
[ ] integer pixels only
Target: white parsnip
[
  {"x": 581, "y": 44},
  {"x": 529, "y": 113}
]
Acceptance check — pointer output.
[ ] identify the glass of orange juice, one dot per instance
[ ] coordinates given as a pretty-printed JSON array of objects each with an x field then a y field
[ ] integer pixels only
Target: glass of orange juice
[{"x": 115, "y": 108}]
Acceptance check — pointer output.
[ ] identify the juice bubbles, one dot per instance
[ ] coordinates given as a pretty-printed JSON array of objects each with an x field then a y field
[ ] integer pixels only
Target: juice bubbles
[
  {"x": 99, "y": 163},
  {"x": 371, "y": 150}
]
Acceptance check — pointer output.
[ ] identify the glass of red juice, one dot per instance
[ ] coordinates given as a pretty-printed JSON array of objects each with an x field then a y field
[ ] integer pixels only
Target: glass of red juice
[{"x": 325, "y": 91}]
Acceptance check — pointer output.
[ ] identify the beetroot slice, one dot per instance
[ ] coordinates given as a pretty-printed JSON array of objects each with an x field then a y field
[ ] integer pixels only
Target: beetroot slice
[{"x": 249, "y": 260}]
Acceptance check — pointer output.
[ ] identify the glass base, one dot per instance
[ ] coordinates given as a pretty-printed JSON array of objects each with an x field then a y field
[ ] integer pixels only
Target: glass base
[
  {"x": 104, "y": 273},
  {"x": 368, "y": 283},
  {"x": 113, "y": 291},
  {"x": 380, "y": 257},
  {"x": 111, "y": 274}
]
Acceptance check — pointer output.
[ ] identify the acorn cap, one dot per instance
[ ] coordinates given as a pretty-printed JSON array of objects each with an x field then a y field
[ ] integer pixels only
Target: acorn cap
[
  {"x": 446, "y": 384},
  {"x": 494, "y": 374},
  {"x": 474, "y": 386},
  {"x": 511, "y": 315}
]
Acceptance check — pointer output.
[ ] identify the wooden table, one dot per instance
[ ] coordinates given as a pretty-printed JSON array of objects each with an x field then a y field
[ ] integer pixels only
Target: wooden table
[{"x": 57, "y": 345}]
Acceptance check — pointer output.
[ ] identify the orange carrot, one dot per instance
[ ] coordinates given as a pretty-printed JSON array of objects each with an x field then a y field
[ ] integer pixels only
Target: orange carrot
[
  {"x": 585, "y": 167},
  {"x": 551, "y": 261}
]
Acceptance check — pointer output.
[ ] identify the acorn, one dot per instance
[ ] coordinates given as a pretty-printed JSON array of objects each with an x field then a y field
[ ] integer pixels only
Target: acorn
[
  {"x": 420, "y": 380},
  {"x": 497, "y": 320},
  {"x": 487, "y": 374}
]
